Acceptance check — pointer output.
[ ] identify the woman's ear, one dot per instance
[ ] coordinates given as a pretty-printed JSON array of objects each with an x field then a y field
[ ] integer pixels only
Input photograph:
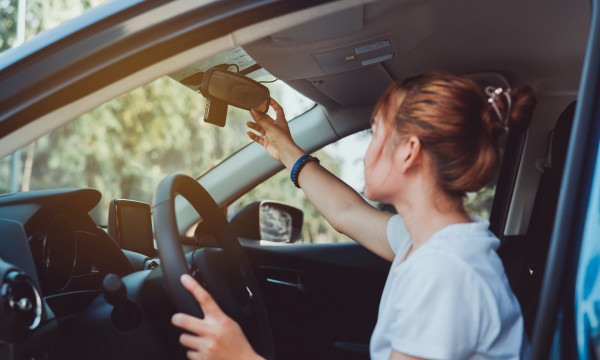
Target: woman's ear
[{"x": 410, "y": 154}]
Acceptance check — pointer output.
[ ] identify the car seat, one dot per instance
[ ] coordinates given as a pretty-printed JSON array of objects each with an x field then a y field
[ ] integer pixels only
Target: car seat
[{"x": 524, "y": 256}]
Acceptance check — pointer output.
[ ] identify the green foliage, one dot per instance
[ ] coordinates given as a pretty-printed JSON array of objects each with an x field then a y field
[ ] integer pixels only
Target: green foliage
[
  {"x": 40, "y": 15},
  {"x": 126, "y": 146},
  {"x": 8, "y": 23},
  {"x": 480, "y": 203}
]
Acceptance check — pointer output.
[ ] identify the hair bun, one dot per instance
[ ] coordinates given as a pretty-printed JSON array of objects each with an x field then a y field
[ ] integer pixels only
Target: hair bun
[
  {"x": 508, "y": 108},
  {"x": 523, "y": 103},
  {"x": 457, "y": 124}
]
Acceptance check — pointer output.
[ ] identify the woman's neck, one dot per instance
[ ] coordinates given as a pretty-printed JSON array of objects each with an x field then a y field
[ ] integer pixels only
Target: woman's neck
[{"x": 425, "y": 218}]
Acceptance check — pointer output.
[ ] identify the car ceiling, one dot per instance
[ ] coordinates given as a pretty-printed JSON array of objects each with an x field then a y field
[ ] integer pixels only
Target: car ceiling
[
  {"x": 535, "y": 43},
  {"x": 538, "y": 43}
]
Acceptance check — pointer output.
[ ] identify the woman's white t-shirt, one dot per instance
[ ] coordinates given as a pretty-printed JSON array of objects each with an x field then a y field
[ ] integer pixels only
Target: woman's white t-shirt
[{"x": 450, "y": 299}]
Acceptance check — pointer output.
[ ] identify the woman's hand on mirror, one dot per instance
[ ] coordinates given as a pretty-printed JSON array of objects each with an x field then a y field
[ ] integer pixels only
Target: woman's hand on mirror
[
  {"x": 216, "y": 336},
  {"x": 276, "y": 136}
]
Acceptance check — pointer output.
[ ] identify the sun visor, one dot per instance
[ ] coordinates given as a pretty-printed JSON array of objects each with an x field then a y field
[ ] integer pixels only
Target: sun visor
[{"x": 362, "y": 88}]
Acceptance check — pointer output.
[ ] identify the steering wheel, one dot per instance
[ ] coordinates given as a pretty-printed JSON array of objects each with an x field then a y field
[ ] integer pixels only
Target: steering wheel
[{"x": 224, "y": 271}]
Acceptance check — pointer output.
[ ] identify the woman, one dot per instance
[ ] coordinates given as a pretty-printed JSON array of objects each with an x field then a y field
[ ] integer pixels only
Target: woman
[{"x": 435, "y": 137}]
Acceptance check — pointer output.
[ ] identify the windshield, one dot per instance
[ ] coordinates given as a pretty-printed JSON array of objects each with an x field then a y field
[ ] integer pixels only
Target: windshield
[
  {"x": 18, "y": 25},
  {"x": 126, "y": 146}
]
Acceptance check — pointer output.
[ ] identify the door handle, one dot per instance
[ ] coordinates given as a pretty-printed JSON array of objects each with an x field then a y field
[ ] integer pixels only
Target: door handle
[{"x": 299, "y": 286}]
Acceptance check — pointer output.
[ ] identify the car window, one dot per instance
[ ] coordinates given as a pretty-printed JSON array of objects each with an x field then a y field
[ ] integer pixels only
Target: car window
[
  {"x": 345, "y": 159},
  {"x": 126, "y": 146},
  {"x": 39, "y": 15}
]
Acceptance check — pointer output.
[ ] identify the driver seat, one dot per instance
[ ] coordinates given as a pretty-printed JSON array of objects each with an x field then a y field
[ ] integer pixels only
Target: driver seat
[{"x": 524, "y": 256}]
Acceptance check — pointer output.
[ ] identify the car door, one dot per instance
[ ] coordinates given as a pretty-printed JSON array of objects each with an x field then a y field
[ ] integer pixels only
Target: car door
[
  {"x": 567, "y": 320},
  {"x": 322, "y": 299}
]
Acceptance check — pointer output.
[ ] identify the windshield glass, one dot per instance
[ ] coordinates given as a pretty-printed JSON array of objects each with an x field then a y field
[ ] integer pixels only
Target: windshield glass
[
  {"x": 126, "y": 146},
  {"x": 18, "y": 25}
]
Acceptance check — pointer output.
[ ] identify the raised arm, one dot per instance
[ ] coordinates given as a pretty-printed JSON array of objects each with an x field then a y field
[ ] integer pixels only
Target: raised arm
[{"x": 341, "y": 206}]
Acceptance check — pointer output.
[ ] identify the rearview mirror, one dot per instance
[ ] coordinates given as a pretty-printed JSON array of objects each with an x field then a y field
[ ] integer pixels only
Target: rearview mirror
[{"x": 235, "y": 89}]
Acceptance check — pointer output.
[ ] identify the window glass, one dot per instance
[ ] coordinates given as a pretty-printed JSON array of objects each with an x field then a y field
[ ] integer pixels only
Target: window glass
[
  {"x": 480, "y": 203},
  {"x": 126, "y": 146},
  {"x": 279, "y": 187},
  {"x": 39, "y": 15},
  {"x": 345, "y": 159}
]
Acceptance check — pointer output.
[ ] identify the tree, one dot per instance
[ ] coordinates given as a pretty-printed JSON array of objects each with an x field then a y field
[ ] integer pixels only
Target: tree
[
  {"x": 40, "y": 15},
  {"x": 8, "y": 23}
]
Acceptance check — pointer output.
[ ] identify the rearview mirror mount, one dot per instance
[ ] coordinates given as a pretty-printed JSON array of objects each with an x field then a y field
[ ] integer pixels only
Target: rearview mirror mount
[
  {"x": 221, "y": 88},
  {"x": 215, "y": 111}
]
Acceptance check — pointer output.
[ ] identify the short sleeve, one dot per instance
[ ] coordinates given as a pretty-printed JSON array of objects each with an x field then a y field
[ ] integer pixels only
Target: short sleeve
[
  {"x": 442, "y": 317},
  {"x": 397, "y": 235}
]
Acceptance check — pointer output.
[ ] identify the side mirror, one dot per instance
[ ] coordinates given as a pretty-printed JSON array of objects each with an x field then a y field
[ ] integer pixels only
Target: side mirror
[
  {"x": 269, "y": 220},
  {"x": 235, "y": 89},
  {"x": 279, "y": 222}
]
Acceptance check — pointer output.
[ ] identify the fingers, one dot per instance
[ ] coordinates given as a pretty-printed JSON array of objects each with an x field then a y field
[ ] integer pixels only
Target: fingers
[
  {"x": 262, "y": 119},
  {"x": 190, "y": 341},
  {"x": 189, "y": 323},
  {"x": 256, "y": 138},
  {"x": 207, "y": 303},
  {"x": 279, "y": 114},
  {"x": 265, "y": 125},
  {"x": 275, "y": 105},
  {"x": 216, "y": 336},
  {"x": 253, "y": 136},
  {"x": 256, "y": 127},
  {"x": 193, "y": 355}
]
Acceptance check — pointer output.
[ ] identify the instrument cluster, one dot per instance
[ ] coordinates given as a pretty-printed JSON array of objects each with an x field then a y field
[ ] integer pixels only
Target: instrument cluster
[{"x": 63, "y": 256}]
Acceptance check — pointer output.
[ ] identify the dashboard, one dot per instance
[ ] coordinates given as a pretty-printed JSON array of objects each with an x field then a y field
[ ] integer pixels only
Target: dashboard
[
  {"x": 53, "y": 258},
  {"x": 55, "y": 299}
]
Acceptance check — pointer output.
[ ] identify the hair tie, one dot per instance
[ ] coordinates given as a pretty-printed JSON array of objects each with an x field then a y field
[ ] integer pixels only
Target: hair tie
[{"x": 493, "y": 94}]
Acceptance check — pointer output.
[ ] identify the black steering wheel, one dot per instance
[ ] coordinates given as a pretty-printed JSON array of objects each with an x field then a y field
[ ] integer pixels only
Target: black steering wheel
[{"x": 224, "y": 271}]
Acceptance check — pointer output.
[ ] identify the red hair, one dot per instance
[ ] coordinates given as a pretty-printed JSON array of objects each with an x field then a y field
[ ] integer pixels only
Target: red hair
[{"x": 456, "y": 125}]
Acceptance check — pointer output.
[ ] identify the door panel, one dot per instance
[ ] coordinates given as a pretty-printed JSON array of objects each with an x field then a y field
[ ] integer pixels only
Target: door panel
[
  {"x": 322, "y": 299},
  {"x": 553, "y": 335}
]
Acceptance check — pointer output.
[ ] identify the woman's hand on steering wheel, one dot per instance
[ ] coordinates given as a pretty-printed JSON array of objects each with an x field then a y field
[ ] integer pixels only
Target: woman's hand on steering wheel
[{"x": 217, "y": 336}]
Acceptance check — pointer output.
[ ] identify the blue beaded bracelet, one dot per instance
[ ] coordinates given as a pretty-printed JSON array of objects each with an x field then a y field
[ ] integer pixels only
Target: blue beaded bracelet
[{"x": 304, "y": 159}]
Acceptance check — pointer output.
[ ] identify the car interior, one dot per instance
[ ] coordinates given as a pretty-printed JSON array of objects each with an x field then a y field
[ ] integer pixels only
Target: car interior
[{"x": 108, "y": 292}]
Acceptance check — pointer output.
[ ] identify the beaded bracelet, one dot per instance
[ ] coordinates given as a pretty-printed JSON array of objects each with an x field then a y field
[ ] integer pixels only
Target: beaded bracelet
[{"x": 304, "y": 159}]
